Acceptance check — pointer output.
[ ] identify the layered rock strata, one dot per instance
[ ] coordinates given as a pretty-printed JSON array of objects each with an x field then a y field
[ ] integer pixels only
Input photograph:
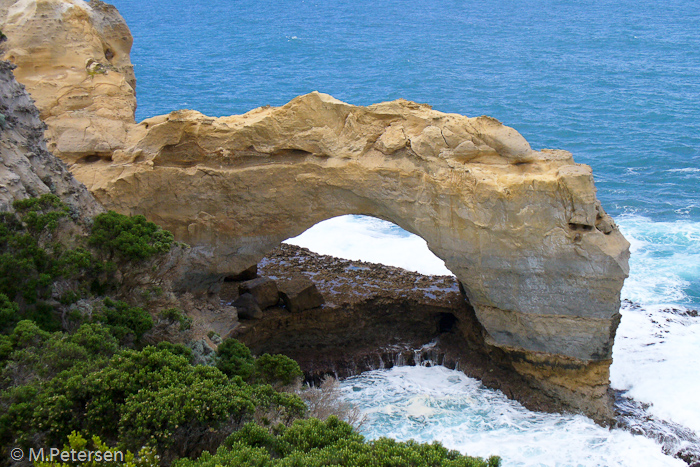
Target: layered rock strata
[
  {"x": 27, "y": 169},
  {"x": 73, "y": 57},
  {"x": 540, "y": 261}
]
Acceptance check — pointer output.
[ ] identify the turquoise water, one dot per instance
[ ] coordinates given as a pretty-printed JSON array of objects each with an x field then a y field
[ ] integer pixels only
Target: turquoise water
[{"x": 617, "y": 83}]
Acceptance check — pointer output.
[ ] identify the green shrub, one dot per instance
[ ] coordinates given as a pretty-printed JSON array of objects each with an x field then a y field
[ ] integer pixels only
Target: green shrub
[
  {"x": 36, "y": 354},
  {"x": 25, "y": 268},
  {"x": 148, "y": 397},
  {"x": 311, "y": 443},
  {"x": 235, "y": 359},
  {"x": 132, "y": 238},
  {"x": 29, "y": 266},
  {"x": 253, "y": 435},
  {"x": 40, "y": 213},
  {"x": 275, "y": 407},
  {"x": 177, "y": 316},
  {"x": 178, "y": 414},
  {"x": 176, "y": 349},
  {"x": 96, "y": 339},
  {"x": 27, "y": 334},
  {"x": 73, "y": 262},
  {"x": 8, "y": 312},
  {"x": 5, "y": 349},
  {"x": 145, "y": 458},
  {"x": 123, "y": 319},
  {"x": 277, "y": 370}
]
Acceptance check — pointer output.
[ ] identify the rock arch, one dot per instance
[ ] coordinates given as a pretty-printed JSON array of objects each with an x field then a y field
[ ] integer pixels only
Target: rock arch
[{"x": 540, "y": 261}]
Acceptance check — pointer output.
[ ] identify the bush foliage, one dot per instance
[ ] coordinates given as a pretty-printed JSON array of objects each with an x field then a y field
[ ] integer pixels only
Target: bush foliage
[
  {"x": 235, "y": 359},
  {"x": 132, "y": 238},
  {"x": 312, "y": 443},
  {"x": 146, "y": 457},
  {"x": 176, "y": 315},
  {"x": 32, "y": 261},
  {"x": 122, "y": 319},
  {"x": 277, "y": 370},
  {"x": 82, "y": 373},
  {"x": 133, "y": 397}
]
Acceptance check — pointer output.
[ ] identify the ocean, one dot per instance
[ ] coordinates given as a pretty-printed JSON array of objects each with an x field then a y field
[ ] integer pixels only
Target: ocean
[{"x": 616, "y": 83}]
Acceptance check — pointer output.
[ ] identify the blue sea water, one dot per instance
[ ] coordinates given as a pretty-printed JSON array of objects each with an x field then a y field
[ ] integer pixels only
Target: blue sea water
[{"x": 617, "y": 83}]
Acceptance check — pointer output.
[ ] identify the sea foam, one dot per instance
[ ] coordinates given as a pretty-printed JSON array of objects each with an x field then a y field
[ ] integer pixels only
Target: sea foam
[
  {"x": 655, "y": 357},
  {"x": 436, "y": 403}
]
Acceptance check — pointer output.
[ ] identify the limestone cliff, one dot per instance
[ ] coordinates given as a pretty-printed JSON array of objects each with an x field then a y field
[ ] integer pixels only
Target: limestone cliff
[
  {"x": 26, "y": 167},
  {"x": 540, "y": 261},
  {"x": 73, "y": 56}
]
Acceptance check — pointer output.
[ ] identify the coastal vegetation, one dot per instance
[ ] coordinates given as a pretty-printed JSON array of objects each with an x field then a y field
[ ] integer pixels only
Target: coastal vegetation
[{"x": 80, "y": 366}]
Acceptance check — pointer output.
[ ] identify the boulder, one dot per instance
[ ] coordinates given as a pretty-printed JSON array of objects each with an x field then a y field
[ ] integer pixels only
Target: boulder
[
  {"x": 247, "y": 307},
  {"x": 300, "y": 294},
  {"x": 246, "y": 275},
  {"x": 263, "y": 289}
]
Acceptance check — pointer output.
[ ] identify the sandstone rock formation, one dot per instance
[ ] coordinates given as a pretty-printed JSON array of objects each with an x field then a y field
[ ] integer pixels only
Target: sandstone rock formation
[
  {"x": 378, "y": 316},
  {"x": 539, "y": 260},
  {"x": 73, "y": 56},
  {"x": 26, "y": 167}
]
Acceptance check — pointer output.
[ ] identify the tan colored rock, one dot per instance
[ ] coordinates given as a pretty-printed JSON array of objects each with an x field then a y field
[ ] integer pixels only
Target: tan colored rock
[
  {"x": 27, "y": 169},
  {"x": 73, "y": 56},
  {"x": 522, "y": 230}
]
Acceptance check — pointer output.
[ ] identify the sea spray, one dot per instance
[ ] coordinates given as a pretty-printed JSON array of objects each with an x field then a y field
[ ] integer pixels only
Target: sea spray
[
  {"x": 435, "y": 403},
  {"x": 657, "y": 342}
]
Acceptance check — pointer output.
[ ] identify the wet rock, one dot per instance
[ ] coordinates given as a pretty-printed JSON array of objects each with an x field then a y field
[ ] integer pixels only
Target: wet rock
[
  {"x": 300, "y": 294},
  {"x": 676, "y": 440},
  {"x": 263, "y": 289},
  {"x": 248, "y": 307}
]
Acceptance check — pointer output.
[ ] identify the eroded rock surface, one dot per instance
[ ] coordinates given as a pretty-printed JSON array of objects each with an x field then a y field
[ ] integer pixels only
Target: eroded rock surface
[
  {"x": 73, "y": 57},
  {"x": 539, "y": 260},
  {"x": 26, "y": 167}
]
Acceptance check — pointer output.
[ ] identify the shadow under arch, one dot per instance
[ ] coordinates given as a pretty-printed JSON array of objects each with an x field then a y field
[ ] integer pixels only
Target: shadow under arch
[{"x": 375, "y": 315}]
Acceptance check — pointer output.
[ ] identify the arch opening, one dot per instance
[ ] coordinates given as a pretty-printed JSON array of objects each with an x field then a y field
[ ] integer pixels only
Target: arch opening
[
  {"x": 366, "y": 238},
  {"x": 374, "y": 315}
]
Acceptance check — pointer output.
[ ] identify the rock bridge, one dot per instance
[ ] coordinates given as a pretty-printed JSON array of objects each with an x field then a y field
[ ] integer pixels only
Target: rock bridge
[{"x": 540, "y": 261}]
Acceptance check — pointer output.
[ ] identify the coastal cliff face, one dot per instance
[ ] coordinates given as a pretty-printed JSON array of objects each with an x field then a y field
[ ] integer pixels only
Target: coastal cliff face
[
  {"x": 73, "y": 57},
  {"x": 378, "y": 316},
  {"x": 539, "y": 260},
  {"x": 27, "y": 169}
]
